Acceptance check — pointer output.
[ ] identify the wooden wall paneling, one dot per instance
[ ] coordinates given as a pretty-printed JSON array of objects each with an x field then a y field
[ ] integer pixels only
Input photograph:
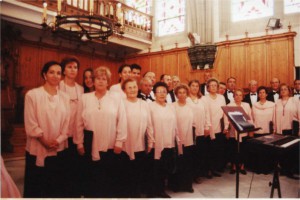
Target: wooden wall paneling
[
  {"x": 170, "y": 64},
  {"x": 279, "y": 60},
  {"x": 29, "y": 66},
  {"x": 221, "y": 68},
  {"x": 291, "y": 58},
  {"x": 257, "y": 64},
  {"x": 157, "y": 65},
  {"x": 184, "y": 67},
  {"x": 238, "y": 64}
]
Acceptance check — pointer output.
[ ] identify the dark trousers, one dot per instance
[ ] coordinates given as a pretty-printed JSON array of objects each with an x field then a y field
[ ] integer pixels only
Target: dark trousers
[
  {"x": 201, "y": 156},
  {"x": 182, "y": 179},
  {"x": 45, "y": 182},
  {"x": 110, "y": 175},
  {"x": 219, "y": 149},
  {"x": 73, "y": 170},
  {"x": 163, "y": 168},
  {"x": 136, "y": 174}
]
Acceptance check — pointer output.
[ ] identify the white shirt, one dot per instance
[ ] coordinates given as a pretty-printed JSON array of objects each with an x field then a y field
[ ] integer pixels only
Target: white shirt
[{"x": 253, "y": 97}]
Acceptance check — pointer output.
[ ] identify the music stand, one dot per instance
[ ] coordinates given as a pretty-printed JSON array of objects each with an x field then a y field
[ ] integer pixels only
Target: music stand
[{"x": 238, "y": 118}]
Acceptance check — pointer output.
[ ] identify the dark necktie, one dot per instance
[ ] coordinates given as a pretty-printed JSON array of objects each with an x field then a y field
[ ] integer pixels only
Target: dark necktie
[
  {"x": 230, "y": 91},
  {"x": 253, "y": 94}
]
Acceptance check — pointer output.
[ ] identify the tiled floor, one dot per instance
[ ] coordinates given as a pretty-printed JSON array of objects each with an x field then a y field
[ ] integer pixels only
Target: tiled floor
[{"x": 219, "y": 187}]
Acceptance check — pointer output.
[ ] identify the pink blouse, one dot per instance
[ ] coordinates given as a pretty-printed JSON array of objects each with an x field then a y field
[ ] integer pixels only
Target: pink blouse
[
  {"x": 48, "y": 116},
  {"x": 8, "y": 186},
  {"x": 164, "y": 127},
  {"x": 263, "y": 115},
  {"x": 117, "y": 88},
  {"x": 74, "y": 94},
  {"x": 138, "y": 124},
  {"x": 285, "y": 113},
  {"x": 185, "y": 120},
  {"x": 216, "y": 113},
  {"x": 201, "y": 115},
  {"x": 106, "y": 117}
]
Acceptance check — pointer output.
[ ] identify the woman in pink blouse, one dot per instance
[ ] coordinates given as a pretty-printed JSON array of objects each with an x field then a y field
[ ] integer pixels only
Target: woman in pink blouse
[
  {"x": 287, "y": 111},
  {"x": 214, "y": 103},
  {"x": 164, "y": 122},
  {"x": 100, "y": 135},
  {"x": 70, "y": 67},
  {"x": 263, "y": 113},
  {"x": 183, "y": 179},
  {"x": 231, "y": 133},
  {"x": 46, "y": 118},
  {"x": 124, "y": 73},
  {"x": 139, "y": 129},
  {"x": 200, "y": 131}
]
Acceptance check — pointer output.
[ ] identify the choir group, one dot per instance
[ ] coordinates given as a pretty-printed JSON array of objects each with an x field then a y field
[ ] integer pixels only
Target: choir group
[{"x": 141, "y": 135}]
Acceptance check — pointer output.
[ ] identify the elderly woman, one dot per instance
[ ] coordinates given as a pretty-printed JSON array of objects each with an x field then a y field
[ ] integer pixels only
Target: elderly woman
[
  {"x": 231, "y": 133},
  {"x": 183, "y": 179},
  {"x": 263, "y": 113},
  {"x": 101, "y": 133},
  {"x": 214, "y": 103},
  {"x": 139, "y": 129},
  {"x": 46, "y": 119},
  {"x": 124, "y": 73},
  {"x": 287, "y": 112},
  {"x": 163, "y": 117},
  {"x": 88, "y": 84},
  {"x": 201, "y": 129}
]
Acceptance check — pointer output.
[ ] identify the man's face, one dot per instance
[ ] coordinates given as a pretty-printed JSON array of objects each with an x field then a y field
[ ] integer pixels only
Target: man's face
[
  {"x": 136, "y": 74},
  {"x": 253, "y": 87},
  {"x": 146, "y": 87},
  {"x": 167, "y": 79},
  {"x": 275, "y": 84},
  {"x": 231, "y": 84}
]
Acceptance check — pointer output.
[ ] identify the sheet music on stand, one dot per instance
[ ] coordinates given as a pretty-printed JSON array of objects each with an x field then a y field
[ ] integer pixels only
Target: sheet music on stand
[{"x": 240, "y": 121}]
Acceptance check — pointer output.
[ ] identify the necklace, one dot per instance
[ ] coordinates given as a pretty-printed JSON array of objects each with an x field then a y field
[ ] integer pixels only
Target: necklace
[
  {"x": 283, "y": 105},
  {"x": 195, "y": 100}
]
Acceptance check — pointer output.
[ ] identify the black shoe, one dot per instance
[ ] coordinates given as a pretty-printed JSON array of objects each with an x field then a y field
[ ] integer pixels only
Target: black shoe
[
  {"x": 209, "y": 175},
  {"x": 197, "y": 180},
  {"x": 243, "y": 171},
  {"x": 216, "y": 174},
  {"x": 190, "y": 190},
  {"x": 232, "y": 171},
  {"x": 164, "y": 195}
]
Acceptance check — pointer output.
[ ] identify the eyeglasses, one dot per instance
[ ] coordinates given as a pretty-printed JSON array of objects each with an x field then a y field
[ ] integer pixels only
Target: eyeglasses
[{"x": 161, "y": 92}]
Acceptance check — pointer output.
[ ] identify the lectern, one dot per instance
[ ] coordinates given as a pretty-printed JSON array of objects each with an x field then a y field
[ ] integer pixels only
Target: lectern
[{"x": 239, "y": 120}]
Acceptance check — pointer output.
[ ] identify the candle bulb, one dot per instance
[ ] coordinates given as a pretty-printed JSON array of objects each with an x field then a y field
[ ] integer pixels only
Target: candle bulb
[
  {"x": 45, "y": 11},
  {"x": 91, "y": 7},
  {"x": 58, "y": 6}
]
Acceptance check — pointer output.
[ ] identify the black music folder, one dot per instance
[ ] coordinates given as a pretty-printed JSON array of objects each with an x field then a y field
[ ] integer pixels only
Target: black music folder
[{"x": 239, "y": 119}]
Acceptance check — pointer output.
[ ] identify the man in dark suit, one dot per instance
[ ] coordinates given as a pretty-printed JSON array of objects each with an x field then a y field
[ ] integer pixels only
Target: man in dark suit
[
  {"x": 252, "y": 97},
  {"x": 146, "y": 88},
  {"x": 231, "y": 83},
  {"x": 203, "y": 87},
  {"x": 296, "y": 91},
  {"x": 273, "y": 95}
]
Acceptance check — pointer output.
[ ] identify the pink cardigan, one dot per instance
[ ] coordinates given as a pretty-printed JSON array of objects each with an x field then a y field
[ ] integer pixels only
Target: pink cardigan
[
  {"x": 73, "y": 105},
  {"x": 43, "y": 117}
]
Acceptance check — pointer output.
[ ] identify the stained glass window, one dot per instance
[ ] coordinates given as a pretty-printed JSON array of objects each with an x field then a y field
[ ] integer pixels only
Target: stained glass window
[
  {"x": 291, "y": 6},
  {"x": 251, "y": 9},
  {"x": 141, "y": 5},
  {"x": 170, "y": 16}
]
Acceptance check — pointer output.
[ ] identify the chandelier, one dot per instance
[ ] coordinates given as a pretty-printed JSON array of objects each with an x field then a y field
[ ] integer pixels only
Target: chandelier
[{"x": 83, "y": 27}]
